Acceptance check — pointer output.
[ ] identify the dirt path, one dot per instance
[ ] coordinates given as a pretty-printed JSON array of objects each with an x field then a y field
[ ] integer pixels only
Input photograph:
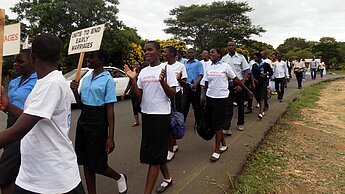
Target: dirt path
[{"x": 314, "y": 149}]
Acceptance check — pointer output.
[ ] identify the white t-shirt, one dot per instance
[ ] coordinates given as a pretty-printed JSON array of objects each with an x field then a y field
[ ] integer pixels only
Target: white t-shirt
[
  {"x": 154, "y": 100},
  {"x": 178, "y": 67},
  {"x": 237, "y": 62},
  {"x": 48, "y": 161},
  {"x": 205, "y": 65},
  {"x": 217, "y": 77}
]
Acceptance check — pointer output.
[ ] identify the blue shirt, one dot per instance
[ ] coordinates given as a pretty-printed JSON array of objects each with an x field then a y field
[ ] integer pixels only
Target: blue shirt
[
  {"x": 98, "y": 91},
  {"x": 18, "y": 92},
  {"x": 194, "y": 70}
]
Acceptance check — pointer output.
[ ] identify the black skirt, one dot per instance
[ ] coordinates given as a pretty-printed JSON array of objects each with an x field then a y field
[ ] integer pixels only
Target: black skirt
[
  {"x": 154, "y": 139},
  {"x": 10, "y": 158},
  {"x": 216, "y": 109},
  {"x": 91, "y": 138}
]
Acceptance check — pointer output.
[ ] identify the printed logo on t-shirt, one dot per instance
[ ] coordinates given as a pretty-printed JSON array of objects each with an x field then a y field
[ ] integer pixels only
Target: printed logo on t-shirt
[
  {"x": 150, "y": 78},
  {"x": 214, "y": 74}
]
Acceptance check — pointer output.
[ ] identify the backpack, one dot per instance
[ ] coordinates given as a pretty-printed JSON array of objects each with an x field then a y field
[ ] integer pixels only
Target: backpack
[{"x": 177, "y": 125}]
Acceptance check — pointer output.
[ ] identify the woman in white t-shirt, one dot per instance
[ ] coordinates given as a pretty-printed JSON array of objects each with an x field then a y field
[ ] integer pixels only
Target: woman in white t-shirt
[
  {"x": 179, "y": 69},
  {"x": 216, "y": 86},
  {"x": 322, "y": 67},
  {"x": 153, "y": 90}
]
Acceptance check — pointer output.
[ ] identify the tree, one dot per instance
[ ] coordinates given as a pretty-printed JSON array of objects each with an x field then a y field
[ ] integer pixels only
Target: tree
[
  {"x": 328, "y": 47},
  {"x": 207, "y": 26},
  {"x": 292, "y": 43},
  {"x": 62, "y": 17},
  {"x": 253, "y": 45}
]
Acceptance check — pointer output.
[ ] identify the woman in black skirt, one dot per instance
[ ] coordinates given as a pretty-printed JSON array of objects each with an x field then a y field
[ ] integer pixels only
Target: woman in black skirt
[
  {"x": 216, "y": 86},
  {"x": 18, "y": 90},
  {"x": 155, "y": 86},
  {"x": 260, "y": 73}
]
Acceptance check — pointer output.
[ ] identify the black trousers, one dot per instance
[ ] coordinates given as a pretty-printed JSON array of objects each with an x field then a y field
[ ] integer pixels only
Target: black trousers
[
  {"x": 189, "y": 96},
  {"x": 239, "y": 99},
  {"x": 280, "y": 86}
]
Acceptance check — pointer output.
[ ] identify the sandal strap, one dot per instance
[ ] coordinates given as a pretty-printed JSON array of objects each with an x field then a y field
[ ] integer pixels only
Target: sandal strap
[
  {"x": 165, "y": 183},
  {"x": 215, "y": 155}
]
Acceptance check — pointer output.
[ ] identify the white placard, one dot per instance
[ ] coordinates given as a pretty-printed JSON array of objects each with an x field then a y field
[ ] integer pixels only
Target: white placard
[
  {"x": 11, "y": 40},
  {"x": 85, "y": 40}
]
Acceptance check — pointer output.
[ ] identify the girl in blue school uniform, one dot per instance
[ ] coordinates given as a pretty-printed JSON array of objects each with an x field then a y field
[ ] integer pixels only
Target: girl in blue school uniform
[
  {"x": 95, "y": 128},
  {"x": 18, "y": 90}
]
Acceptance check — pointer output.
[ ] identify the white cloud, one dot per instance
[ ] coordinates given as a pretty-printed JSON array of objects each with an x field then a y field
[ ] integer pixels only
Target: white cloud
[{"x": 282, "y": 19}]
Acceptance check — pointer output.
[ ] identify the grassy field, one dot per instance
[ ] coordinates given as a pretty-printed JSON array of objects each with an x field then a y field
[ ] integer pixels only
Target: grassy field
[{"x": 304, "y": 152}]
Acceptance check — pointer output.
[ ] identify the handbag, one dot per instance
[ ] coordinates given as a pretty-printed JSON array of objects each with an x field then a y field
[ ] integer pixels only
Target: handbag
[
  {"x": 203, "y": 129},
  {"x": 177, "y": 124}
]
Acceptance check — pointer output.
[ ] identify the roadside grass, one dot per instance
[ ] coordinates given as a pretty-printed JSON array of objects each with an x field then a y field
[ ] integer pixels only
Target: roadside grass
[
  {"x": 306, "y": 99},
  {"x": 262, "y": 173},
  {"x": 336, "y": 71}
]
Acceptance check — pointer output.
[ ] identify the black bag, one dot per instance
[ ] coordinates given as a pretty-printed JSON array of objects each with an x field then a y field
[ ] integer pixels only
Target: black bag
[{"x": 203, "y": 129}]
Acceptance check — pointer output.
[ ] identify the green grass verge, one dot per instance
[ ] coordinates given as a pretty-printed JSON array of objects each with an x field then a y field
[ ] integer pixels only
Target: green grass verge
[
  {"x": 262, "y": 172},
  {"x": 337, "y": 71},
  {"x": 306, "y": 99}
]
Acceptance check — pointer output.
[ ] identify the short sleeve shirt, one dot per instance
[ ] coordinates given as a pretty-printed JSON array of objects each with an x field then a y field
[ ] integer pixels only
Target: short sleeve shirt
[
  {"x": 99, "y": 90},
  {"x": 48, "y": 161},
  {"x": 217, "y": 77},
  {"x": 194, "y": 70},
  {"x": 178, "y": 67},
  {"x": 237, "y": 62},
  {"x": 154, "y": 100},
  {"x": 18, "y": 92},
  {"x": 205, "y": 65}
]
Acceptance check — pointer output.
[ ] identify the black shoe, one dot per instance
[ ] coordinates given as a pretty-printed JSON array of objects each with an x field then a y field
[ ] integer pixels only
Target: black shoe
[
  {"x": 248, "y": 112},
  {"x": 260, "y": 116},
  {"x": 163, "y": 186}
]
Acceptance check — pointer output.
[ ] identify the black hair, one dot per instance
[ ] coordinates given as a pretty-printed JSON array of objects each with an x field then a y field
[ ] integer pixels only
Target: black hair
[
  {"x": 219, "y": 52},
  {"x": 179, "y": 52},
  {"x": 172, "y": 50},
  {"x": 258, "y": 54},
  {"x": 191, "y": 49},
  {"x": 26, "y": 51},
  {"x": 47, "y": 47},
  {"x": 104, "y": 55},
  {"x": 155, "y": 44}
]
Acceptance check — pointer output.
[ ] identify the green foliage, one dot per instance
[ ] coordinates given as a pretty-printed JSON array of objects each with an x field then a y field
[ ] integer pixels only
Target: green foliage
[
  {"x": 62, "y": 17},
  {"x": 303, "y": 54},
  {"x": 330, "y": 50},
  {"x": 212, "y": 25},
  {"x": 252, "y": 45},
  {"x": 292, "y": 44},
  {"x": 327, "y": 48}
]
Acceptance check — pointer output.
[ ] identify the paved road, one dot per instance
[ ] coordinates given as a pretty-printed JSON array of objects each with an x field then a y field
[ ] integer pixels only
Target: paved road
[{"x": 191, "y": 167}]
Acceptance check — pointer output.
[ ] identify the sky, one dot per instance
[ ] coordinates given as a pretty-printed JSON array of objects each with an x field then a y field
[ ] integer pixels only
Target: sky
[{"x": 282, "y": 19}]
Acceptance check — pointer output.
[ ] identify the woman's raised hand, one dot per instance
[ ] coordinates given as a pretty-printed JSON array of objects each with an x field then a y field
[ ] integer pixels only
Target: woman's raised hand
[{"x": 131, "y": 74}]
